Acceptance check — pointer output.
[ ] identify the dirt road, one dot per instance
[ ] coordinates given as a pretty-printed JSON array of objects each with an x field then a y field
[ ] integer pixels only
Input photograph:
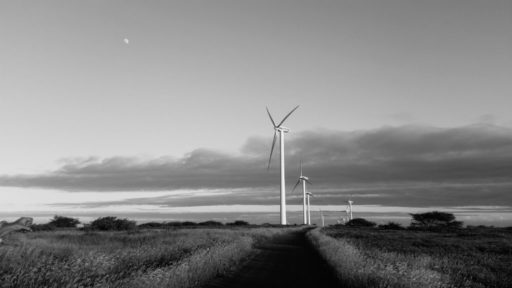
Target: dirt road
[{"x": 287, "y": 261}]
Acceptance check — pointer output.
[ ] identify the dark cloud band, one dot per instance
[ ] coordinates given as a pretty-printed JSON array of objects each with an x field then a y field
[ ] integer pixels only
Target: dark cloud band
[{"x": 477, "y": 153}]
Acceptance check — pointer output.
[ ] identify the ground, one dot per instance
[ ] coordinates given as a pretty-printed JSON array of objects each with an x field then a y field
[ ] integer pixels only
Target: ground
[{"x": 286, "y": 261}]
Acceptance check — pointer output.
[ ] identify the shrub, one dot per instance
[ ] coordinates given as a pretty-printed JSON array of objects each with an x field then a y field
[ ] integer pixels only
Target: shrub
[
  {"x": 210, "y": 223},
  {"x": 360, "y": 222},
  {"x": 175, "y": 224},
  {"x": 152, "y": 225},
  {"x": 435, "y": 219},
  {"x": 188, "y": 223},
  {"x": 42, "y": 227},
  {"x": 112, "y": 223},
  {"x": 64, "y": 222},
  {"x": 391, "y": 226},
  {"x": 238, "y": 223}
]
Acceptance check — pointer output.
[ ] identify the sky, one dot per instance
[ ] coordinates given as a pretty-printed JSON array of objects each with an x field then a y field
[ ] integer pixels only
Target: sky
[{"x": 156, "y": 109}]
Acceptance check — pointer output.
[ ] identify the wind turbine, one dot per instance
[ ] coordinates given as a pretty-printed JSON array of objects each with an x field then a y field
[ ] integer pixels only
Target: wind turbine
[
  {"x": 349, "y": 209},
  {"x": 309, "y": 194},
  {"x": 281, "y": 130},
  {"x": 303, "y": 179}
]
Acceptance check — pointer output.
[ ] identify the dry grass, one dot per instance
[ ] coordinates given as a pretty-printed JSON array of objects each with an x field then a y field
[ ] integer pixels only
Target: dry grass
[
  {"x": 356, "y": 268},
  {"x": 156, "y": 258},
  {"x": 390, "y": 258}
]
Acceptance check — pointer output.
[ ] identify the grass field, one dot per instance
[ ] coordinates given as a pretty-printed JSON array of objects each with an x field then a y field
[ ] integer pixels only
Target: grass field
[
  {"x": 141, "y": 258},
  {"x": 369, "y": 257}
]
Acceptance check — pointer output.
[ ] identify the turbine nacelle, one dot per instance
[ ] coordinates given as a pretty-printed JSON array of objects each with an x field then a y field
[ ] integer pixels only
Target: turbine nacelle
[
  {"x": 302, "y": 178},
  {"x": 278, "y": 128},
  {"x": 282, "y": 129}
]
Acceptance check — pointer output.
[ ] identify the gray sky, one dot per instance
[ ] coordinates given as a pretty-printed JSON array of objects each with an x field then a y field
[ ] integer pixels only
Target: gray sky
[{"x": 198, "y": 75}]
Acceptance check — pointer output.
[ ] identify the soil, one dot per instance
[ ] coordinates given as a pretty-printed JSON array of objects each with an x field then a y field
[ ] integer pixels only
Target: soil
[{"x": 286, "y": 261}]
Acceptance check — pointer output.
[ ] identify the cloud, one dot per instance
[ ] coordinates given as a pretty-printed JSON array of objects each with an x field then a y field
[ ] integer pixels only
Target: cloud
[{"x": 477, "y": 154}]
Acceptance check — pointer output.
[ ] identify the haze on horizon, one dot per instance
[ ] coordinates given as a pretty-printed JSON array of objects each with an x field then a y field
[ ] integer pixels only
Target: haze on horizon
[{"x": 404, "y": 106}]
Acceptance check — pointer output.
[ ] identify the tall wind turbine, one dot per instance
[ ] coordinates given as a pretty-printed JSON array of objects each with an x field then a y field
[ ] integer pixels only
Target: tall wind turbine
[
  {"x": 281, "y": 130},
  {"x": 304, "y": 180},
  {"x": 309, "y": 194}
]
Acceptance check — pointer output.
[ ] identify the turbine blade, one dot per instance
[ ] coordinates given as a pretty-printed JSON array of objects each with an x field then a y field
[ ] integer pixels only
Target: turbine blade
[
  {"x": 287, "y": 115},
  {"x": 301, "y": 167},
  {"x": 309, "y": 182},
  {"x": 271, "y": 119},
  {"x": 272, "y": 149},
  {"x": 296, "y": 184}
]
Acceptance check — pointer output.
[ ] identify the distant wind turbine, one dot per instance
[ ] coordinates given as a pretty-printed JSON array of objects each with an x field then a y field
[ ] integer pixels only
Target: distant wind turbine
[
  {"x": 303, "y": 179},
  {"x": 281, "y": 130},
  {"x": 349, "y": 209},
  {"x": 309, "y": 194}
]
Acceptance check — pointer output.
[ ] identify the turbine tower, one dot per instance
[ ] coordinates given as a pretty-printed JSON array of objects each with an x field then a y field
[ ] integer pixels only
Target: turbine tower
[
  {"x": 309, "y": 194},
  {"x": 281, "y": 130},
  {"x": 304, "y": 180},
  {"x": 349, "y": 212}
]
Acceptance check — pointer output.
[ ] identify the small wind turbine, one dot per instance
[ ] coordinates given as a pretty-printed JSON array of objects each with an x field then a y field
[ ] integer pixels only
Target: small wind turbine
[
  {"x": 281, "y": 130},
  {"x": 309, "y": 194},
  {"x": 349, "y": 209},
  {"x": 303, "y": 179},
  {"x": 322, "y": 216}
]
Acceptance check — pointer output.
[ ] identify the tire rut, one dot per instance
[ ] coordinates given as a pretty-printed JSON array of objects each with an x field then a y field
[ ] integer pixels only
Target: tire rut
[{"x": 286, "y": 261}]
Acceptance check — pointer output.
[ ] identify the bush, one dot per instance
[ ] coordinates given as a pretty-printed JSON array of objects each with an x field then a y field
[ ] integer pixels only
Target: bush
[
  {"x": 42, "y": 227},
  {"x": 360, "y": 222},
  {"x": 64, "y": 222},
  {"x": 152, "y": 225},
  {"x": 110, "y": 223},
  {"x": 175, "y": 224},
  {"x": 210, "y": 223},
  {"x": 391, "y": 226},
  {"x": 435, "y": 219},
  {"x": 238, "y": 223}
]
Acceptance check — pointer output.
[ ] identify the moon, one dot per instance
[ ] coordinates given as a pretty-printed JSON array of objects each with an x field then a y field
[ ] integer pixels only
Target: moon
[{"x": 126, "y": 41}]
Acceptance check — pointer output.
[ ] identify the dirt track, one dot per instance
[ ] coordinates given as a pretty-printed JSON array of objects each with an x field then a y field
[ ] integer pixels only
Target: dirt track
[{"x": 287, "y": 261}]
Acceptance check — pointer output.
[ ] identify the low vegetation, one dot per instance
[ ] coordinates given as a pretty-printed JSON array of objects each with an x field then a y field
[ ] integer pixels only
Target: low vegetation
[
  {"x": 435, "y": 219},
  {"x": 360, "y": 222},
  {"x": 64, "y": 222},
  {"x": 437, "y": 254},
  {"x": 111, "y": 223},
  {"x": 133, "y": 258}
]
